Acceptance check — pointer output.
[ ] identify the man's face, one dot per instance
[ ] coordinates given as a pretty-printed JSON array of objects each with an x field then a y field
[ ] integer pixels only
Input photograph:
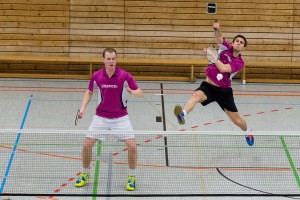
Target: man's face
[
  {"x": 238, "y": 44},
  {"x": 110, "y": 60}
]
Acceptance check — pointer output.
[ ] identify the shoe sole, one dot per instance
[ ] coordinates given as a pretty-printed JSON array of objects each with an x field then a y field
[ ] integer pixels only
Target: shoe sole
[
  {"x": 130, "y": 189},
  {"x": 79, "y": 186},
  {"x": 178, "y": 111}
]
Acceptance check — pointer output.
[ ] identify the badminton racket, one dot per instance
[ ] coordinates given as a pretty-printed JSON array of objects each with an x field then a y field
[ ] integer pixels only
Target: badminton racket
[
  {"x": 215, "y": 29},
  {"x": 211, "y": 54},
  {"x": 77, "y": 117}
]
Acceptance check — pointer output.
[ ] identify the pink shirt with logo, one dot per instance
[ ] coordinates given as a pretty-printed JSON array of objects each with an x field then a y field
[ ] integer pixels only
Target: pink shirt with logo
[
  {"x": 112, "y": 94},
  {"x": 225, "y": 56}
]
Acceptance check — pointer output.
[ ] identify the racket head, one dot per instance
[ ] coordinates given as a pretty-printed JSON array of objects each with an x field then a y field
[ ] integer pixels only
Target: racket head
[
  {"x": 77, "y": 117},
  {"x": 211, "y": 53}
]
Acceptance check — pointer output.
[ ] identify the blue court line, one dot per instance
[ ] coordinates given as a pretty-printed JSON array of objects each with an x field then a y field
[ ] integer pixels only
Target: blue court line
[
  {"x": 15, "y": 147},
  {"x": 109, "y": 181}
]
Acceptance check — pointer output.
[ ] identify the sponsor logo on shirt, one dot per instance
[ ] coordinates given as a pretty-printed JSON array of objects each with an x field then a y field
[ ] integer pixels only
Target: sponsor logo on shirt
[
  {"x": 228, "y": 57},
  {"x": 109, "y": 86}
]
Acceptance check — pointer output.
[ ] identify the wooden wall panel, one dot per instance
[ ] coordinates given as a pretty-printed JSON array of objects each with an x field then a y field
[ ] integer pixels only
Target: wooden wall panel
[
  {"x": 34, "y": 27},
  {"x": 96, "y": 25},
  {"x": 148, "y": 28}
]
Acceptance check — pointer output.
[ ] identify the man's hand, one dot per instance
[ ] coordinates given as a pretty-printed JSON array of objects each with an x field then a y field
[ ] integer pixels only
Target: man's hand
[{"x": 216, "y": 25}]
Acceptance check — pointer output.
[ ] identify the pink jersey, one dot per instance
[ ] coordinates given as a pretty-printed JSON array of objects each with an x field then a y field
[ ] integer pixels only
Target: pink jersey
[
  {"x": 112, "y": 94},
  {"x": 225, "y": 56}
]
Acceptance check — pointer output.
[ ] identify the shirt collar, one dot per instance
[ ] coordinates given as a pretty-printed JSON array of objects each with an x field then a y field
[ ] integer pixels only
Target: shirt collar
[
  {"x": 232, "y": 52},
  {"x": 117, "y": 71}
]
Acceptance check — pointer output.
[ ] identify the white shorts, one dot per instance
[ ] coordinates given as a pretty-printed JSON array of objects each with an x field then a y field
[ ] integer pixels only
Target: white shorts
[{"x": 116, "y": 124}]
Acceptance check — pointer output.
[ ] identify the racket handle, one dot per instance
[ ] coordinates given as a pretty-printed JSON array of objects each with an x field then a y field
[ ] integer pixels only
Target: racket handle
[{"x": 215, "y": 28}]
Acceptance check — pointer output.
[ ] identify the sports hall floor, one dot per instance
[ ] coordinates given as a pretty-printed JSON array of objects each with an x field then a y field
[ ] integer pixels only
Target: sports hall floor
[{"x": 206, "y": 156}]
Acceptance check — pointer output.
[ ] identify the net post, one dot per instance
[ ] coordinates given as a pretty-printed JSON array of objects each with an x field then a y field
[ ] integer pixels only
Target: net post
[{"x": 164, "y": 124}]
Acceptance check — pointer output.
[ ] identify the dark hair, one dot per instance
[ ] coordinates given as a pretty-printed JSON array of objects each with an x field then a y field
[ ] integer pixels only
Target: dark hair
[
  {"x": 109, "y": 50},
  {"x": 241, "y": 36}
]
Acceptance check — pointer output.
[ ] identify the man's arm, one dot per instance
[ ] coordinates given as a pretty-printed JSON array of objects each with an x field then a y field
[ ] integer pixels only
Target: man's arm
[
  {"x": 138, "y": 92},
  {"x": 223, "y": 68},
  {"x": 86, "y": 99},
  {"x": 218, "y": 33}
]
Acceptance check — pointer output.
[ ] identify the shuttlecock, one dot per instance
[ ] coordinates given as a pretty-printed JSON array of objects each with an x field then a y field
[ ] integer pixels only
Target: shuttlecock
[{"x": 219, "y": 77}]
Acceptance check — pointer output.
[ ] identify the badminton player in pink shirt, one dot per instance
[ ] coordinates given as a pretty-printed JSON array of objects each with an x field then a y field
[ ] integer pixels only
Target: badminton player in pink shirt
[
  {"x": 227, "y": 63},
  {"x": 113, "y": 84}
]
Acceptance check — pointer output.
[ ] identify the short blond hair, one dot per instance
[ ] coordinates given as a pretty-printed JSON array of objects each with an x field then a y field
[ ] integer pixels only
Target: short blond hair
[{"x": 109, "y": 50}]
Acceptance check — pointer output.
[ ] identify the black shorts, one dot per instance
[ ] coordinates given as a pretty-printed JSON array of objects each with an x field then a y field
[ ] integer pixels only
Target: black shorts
[{"x": 223, "y": 96}]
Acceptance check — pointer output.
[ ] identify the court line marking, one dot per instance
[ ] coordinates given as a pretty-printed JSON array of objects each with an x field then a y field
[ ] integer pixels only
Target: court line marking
[
  {"x": 180, "y": 167},
  {"x": 97, "y": 169},
  {"x": 273, "y": 169},
  {"x": 245, "y": 115},
  {"x": 144, "y": 89},
  {"x": 289, "y": 157},
  {"x": 250, "y": 187},
  {"x": 175, "y": 93},
  {"x": 175, "y": 167},
  {"x": 109, "y": 178},
  {"x": 15, "y": 146}
]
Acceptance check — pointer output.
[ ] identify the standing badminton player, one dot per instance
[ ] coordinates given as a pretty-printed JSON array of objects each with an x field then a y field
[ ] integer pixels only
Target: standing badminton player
[
  {"x": 217, "y": 86},
  {"x": 113, "y": 85}
]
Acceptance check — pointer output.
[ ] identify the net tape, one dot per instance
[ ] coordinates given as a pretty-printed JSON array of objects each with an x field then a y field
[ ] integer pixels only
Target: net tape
[{"x": 143, "y": 132}]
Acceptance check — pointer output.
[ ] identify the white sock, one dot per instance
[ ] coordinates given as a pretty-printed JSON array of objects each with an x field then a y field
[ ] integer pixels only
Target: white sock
[
  {"x": 132, "y": 172},
  {"x": 86, "y": 171},
  {"x": 248, "y": 131},
  {"x": 184, "y": 113}
]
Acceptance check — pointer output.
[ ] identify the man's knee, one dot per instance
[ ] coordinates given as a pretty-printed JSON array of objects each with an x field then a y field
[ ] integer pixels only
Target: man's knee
[
  {"x": 89, "y": 144},
  {"x": 198, "y": 96},
  {"x": 239, "y": 121},
  {"x": 131, "y": 145}
]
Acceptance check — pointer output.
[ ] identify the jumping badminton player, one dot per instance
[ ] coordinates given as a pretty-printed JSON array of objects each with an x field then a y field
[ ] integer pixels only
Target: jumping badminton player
[
  {"x": 113, "y": 85},
  {"x": 217, "y": 86}
]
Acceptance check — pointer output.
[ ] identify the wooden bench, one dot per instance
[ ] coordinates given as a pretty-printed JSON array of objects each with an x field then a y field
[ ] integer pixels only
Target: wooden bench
[
  {"x": 187, "y": 63},
  {"x": 255, "y": 71},
  {"x": 271, "y": 72}
]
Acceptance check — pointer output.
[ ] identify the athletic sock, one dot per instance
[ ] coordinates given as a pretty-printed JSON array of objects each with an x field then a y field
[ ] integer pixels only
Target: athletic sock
[
  {"x": 86, "y": 171},
  {"x": 131, "y": 172},
  {"x": 184, "y": 113}
]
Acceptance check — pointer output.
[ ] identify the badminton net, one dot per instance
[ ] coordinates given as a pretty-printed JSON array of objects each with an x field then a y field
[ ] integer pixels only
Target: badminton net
[{"x": 48, "y": 162}]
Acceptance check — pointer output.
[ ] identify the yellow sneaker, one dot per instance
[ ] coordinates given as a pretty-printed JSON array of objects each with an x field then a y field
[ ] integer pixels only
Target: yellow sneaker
[
  {"x": 130, "y": 183},
  {"x": 82, "y": 179}
]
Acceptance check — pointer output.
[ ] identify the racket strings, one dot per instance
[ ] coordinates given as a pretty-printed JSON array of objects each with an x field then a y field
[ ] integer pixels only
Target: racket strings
[{"x": 213, "y": 53}]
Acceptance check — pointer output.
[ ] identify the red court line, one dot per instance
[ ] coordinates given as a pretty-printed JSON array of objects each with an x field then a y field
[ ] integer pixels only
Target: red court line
[
  {"x": 245, "y": 115},
  {"x": 42, "y": 90},
  {"x": 58, "y": 156},
  {"x": 163, "y": 166},
  {"x": 145, "y": 89},
  {"x": 41, "y": 87},
  {"x": 57, "y": 89}
]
